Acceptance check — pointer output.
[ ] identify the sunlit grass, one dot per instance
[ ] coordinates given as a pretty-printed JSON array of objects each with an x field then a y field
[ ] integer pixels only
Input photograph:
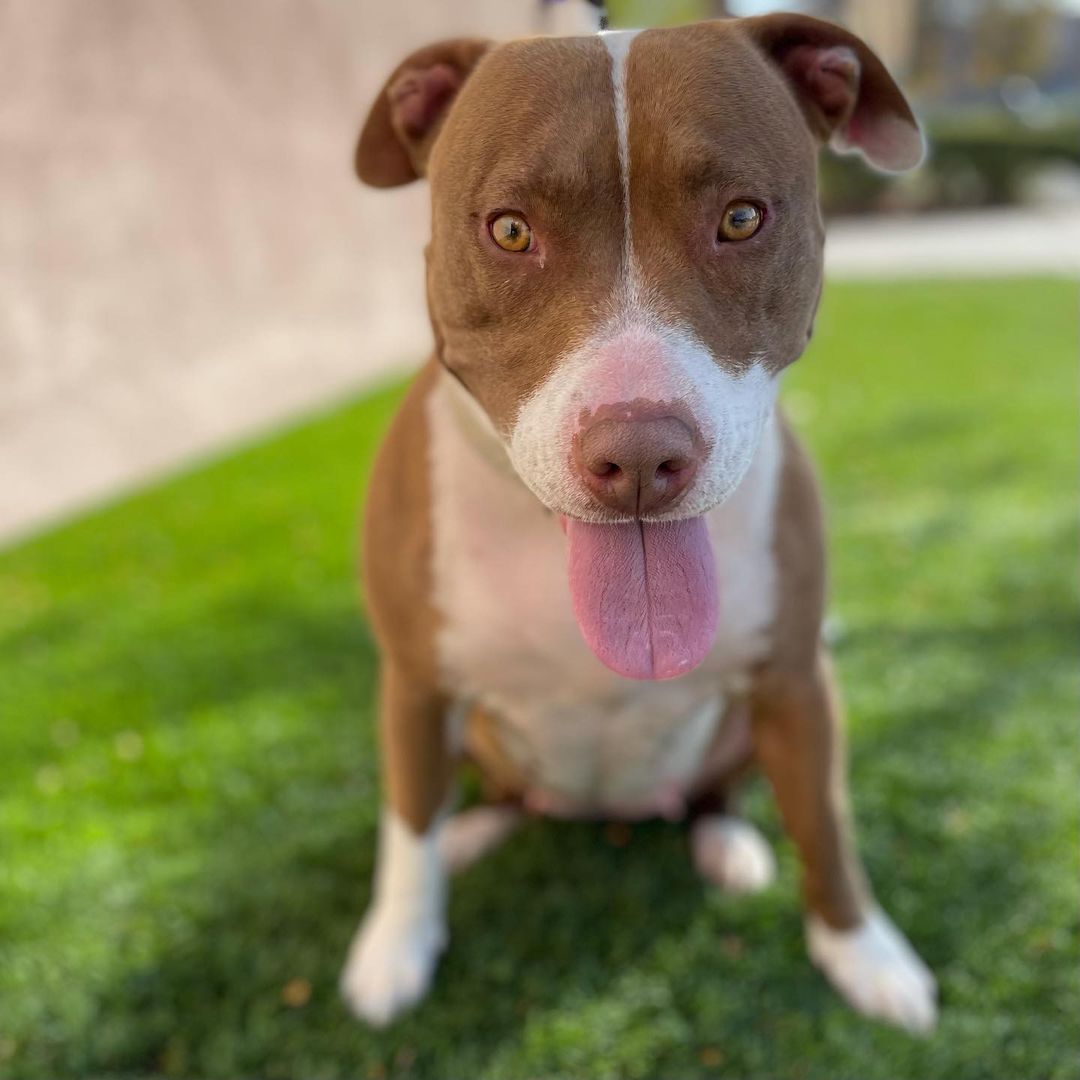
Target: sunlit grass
[{"x": 189, "y": 783}]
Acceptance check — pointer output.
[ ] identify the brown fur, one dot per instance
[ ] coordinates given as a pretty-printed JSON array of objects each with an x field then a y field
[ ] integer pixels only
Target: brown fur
[
  {"x": 795, "y": 708},
  {"x": 416, "y": 756},
  {"x": 502, "y": 319},
  {"x": 789, "y": 39},
  {"x": 720, "y": 111},
  {"x": 390, "y": 152},
  {"x": 722, "y": 122}
]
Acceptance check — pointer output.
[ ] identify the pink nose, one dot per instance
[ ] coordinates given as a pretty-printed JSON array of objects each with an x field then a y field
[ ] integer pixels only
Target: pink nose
[{"x": 637, "y": 466}]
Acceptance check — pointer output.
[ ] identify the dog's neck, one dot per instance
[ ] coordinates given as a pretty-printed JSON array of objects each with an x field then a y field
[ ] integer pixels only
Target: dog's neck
[{"x": 476, "y": 427}]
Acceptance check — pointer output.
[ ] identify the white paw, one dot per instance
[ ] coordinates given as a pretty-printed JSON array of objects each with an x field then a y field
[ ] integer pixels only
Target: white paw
[
  {"x": 472, "y": 833},
  {"x": 731, "y": 853},
  {"x": 391, "y": 962},
  {"x": 876, "y": 971}
]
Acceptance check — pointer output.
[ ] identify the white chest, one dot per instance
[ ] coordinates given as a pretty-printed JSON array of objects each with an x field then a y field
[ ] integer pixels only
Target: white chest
[{"x": 509, "y": 641}]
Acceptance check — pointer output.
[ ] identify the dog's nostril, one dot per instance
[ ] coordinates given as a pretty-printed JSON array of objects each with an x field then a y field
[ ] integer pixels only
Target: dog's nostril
[
  {"x": 636, "y": 466},
  {"x": 671, "y": 466}
]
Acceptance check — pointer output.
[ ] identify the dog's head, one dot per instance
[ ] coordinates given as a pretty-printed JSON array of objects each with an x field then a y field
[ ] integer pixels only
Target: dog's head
[{"x": 626, "y": 241}]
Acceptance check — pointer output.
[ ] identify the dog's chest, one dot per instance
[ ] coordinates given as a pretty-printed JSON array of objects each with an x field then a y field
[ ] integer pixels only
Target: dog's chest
[{"x": 508, "y": 639}]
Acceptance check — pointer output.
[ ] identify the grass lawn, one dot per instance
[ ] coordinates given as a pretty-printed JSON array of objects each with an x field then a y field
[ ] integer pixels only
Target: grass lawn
[{"x": 189, "y": 795}]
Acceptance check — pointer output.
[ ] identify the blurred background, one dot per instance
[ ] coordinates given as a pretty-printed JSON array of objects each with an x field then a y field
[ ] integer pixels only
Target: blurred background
[{"x": 185, "y": 256}]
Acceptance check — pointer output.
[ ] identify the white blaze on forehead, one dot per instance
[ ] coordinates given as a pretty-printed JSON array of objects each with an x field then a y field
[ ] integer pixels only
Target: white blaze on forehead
[{"x": 617, "y": 43}]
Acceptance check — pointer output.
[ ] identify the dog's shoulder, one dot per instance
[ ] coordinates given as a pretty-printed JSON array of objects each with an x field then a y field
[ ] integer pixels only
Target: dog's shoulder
[{"x": 397, "y": 544}]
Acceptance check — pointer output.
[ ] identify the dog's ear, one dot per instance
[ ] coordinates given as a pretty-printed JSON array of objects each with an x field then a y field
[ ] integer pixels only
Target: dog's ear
[
  {"x": 408, "y": 113},
  {"x": 848, "y": 97}
]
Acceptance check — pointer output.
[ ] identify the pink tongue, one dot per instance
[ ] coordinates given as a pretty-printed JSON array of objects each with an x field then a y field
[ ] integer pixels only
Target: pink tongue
[{"x": 644, "y": 594}]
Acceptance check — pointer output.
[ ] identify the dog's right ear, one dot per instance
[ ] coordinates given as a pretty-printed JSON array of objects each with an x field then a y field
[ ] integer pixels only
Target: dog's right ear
[{"x": 409, "y": 111}]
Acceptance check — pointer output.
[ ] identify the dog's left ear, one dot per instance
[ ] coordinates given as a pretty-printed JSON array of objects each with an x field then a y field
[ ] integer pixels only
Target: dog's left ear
[
  {"x": 848, "y": 97},
  {"x": 408, "y": 113}
]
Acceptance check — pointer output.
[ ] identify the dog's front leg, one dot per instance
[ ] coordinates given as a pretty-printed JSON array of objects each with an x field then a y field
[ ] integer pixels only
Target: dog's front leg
[
  {"x": 394, "y": 952},
  {"x": 799, "y": 744}
]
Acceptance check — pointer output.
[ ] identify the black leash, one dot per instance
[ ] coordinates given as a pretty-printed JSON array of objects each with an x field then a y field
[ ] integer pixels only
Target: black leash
[{"x": 601, "y": 10}]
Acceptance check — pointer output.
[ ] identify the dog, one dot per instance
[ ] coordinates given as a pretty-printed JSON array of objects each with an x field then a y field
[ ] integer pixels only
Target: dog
[{"x": 593, "y": 549}]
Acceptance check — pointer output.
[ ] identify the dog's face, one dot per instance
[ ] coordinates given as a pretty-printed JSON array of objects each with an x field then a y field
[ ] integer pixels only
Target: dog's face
[
  {"x": 631, "y": 325},
  {"x": 626, "y": 243}
]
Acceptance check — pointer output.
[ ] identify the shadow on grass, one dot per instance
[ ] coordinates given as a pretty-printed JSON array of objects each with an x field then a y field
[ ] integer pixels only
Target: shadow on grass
[{"x": 555, "y": 917}]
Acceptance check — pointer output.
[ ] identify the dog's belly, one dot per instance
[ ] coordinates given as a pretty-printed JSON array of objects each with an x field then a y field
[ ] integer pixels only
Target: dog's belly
[
  {"x": 635, "y": 758},
  {"x": 580, "y": 739}
]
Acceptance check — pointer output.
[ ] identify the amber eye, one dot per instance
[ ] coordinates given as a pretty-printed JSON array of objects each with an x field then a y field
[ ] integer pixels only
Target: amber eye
[
  {"x": 740, "y": 221},
  {"x": 511, "y": 232}
]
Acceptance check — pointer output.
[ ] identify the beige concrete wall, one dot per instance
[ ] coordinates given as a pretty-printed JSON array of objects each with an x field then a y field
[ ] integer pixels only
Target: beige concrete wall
[{"x": 185, "y": 255}]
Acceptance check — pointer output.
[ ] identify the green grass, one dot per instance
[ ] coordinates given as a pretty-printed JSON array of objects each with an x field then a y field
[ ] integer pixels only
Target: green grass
[{"x": 189, "y": 790}]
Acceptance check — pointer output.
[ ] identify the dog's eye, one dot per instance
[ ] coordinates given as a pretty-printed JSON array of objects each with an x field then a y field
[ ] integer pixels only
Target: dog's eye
[
  {"x": 740, "y": 221},
  {"x": 511, "y": 232}
]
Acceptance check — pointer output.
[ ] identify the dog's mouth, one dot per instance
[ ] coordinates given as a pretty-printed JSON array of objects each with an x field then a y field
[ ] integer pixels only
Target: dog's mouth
[{"x": 644, "y": 593}]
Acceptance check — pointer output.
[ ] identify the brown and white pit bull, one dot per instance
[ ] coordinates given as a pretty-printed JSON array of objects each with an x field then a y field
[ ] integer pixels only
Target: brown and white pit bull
[{"x": 594, "y": 551}]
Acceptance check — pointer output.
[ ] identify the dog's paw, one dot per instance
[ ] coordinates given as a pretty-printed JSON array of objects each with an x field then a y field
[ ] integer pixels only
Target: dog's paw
[
  {"x": 876, "y": 971},
  {"x": 391, "y": 963},
  {"x": 471, "y": 834},
  {"x": 732, "y": 854}
]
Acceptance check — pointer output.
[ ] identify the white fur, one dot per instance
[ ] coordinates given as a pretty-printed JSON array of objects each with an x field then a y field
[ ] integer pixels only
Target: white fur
[
  {"x": 638, "y": 357},
  {"x": 876, "y": 971},
  {"x": 617, "y": 43},
  {"x": 470, "y": 834},
  {"x": 732, "y": 854},
  {"x": 508, "y": 638},
  {"x": 393, "y": 954}
]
